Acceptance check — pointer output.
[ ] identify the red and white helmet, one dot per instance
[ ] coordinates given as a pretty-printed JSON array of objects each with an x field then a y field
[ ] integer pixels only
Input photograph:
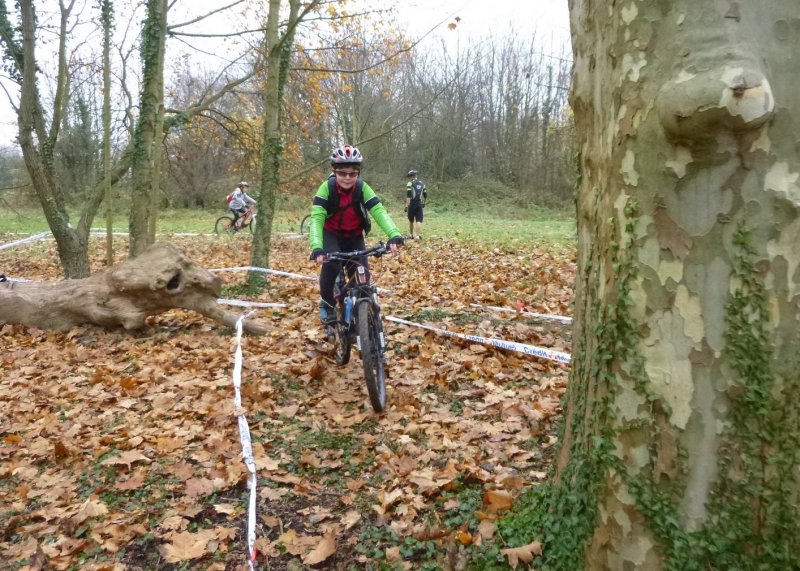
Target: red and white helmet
[{"x": 346, "y": 155}]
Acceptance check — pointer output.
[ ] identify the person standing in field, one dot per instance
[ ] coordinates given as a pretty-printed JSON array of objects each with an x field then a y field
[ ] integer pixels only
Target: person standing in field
[
  {"x": 416, "y": 199},
  {"x": 340, "y": 218}
]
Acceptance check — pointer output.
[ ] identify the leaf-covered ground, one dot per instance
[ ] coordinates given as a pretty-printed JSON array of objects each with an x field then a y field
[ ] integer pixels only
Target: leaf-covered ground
[{"x": 120, "y": 450}]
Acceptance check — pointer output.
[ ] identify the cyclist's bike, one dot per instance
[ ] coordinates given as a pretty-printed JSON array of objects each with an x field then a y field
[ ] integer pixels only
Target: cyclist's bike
[
  {"x": 224, "y": 224},
  {"x": 358, "y": 318}
]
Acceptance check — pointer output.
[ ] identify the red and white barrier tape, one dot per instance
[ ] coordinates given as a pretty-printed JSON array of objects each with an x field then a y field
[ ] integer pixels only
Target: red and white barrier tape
[
  {"x": 34, "y": 238},
  {"x": 532, "y": 350},
  {"x": 245, "y": 303},
  {"x": 264, "y": 271},
  {"x": 279, "y": 273},
  {"x": 247, "y": 444},
  {"x": 560, "y": 318}
]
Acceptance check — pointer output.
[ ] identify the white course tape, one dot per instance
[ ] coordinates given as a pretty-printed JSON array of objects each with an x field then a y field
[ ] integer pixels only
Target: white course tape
[
  {"x": 245, "y": 303},
  {"x": 247, "y": 445},
  {"x": 280, "y": 273},
  {"x": 541, "y": 352},
  {"x": 264, "y": 271},
  {"x": 34, "y": 238},
  {"x": 560, "y": 318}
]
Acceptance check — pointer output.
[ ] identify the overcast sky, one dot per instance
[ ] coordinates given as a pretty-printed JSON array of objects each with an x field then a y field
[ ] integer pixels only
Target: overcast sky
[
  {"x": 547, "y": 19},
  {"x": 479, "y": 19}
]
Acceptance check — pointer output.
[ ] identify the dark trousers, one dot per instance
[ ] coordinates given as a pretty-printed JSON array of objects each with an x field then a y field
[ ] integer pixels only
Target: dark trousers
[
  {"x": 415, "y": 212},
  {"x": 327, "y": 277},
  {"x": 238, "y": 214}
]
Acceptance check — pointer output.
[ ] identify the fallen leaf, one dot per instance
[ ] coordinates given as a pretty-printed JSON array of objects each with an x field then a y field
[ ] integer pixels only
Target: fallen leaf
[
  {"x": 498, "y": 500},
  {"x": 133, "y": 483},
  {"x": 126, "y": 459},
  {"x": 524, "y": 553},
  {"x": 226, "y": 509},
  {"x": 186, "y": 545},
  {"x": 92, "y": 507},
  {"x": 322, "y": 551}
]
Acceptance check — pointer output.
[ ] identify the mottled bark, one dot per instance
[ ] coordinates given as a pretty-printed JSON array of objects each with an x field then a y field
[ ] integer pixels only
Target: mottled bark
[{"x": 688, "y": 294}]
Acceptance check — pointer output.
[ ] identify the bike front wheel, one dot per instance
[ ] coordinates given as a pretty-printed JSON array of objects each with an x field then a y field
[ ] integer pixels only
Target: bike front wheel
[
  {"x": 304, "y": 223},
  {"x": 341, "y": 344},
  {"x": 224, "y": 225},
  {"x": 369, "y": 333}
]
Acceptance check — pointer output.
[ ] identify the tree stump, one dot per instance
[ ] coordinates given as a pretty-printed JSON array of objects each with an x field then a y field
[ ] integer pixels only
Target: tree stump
[{"x": 158, "y": 280}]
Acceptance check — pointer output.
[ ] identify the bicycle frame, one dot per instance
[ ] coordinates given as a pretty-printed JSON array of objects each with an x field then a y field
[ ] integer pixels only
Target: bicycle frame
[
  {"x": 357, "y": 293},
  {"x": 250, "y": 214},
  {"x": 358, "y": 311}
]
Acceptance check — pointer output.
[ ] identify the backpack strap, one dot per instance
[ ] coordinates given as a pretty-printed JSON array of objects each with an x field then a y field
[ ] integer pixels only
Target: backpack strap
[{"x": 333, "y": 196}]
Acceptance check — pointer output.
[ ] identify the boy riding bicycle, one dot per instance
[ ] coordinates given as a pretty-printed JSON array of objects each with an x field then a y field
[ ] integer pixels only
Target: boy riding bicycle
[
  {"x": 339, "y": 221},
  {"x": 239, "y": 199}
]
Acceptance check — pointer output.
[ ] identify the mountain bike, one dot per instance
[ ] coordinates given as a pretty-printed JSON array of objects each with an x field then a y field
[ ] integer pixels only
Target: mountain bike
[
  {"x": 224, "y": 224},
  {"x": 358, "y": 318}
]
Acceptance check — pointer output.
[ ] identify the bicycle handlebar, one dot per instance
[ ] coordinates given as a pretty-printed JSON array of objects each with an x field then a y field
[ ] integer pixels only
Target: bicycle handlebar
[{"x": 378, "y": 250}]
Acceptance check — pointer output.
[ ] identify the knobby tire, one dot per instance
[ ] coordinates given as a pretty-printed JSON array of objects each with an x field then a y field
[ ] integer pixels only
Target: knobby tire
[
  {"x": 371, "y": 354},
  {"x": 342, "y": 344}
]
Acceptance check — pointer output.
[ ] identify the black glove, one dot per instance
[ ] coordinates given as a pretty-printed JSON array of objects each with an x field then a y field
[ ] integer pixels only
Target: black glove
[
  {"x": 397, "y": 240},
  {"x": 405, "y": 209},
  {"x": 315, "y": 253}
]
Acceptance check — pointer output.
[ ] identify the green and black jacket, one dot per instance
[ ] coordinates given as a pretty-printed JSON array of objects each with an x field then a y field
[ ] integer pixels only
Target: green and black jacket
[{"x": 326, "y": 204}]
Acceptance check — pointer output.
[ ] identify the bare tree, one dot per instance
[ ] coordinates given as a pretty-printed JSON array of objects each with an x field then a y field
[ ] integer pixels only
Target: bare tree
[
  {"x": 107, "y": 21},
  {"x": 277, "y": 51},
  {"x": 147, "y": 135},
  {"x": 38, "y": 136}
]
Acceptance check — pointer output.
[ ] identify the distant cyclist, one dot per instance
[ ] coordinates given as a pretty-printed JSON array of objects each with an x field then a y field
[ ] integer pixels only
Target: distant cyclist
[
  {"x": 339, "y": 221},
  {"x": 238, "y": 201},
  {"x": 416, "y": 199}
]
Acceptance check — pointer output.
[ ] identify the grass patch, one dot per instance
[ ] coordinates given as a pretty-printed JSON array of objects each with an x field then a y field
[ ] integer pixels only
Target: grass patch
[
  {"x": 245, "y": 289},
  {"x": 471, "y": 210}
]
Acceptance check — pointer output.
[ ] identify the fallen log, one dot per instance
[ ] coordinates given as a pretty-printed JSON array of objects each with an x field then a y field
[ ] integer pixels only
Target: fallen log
[{"x": 159, "y": 279}]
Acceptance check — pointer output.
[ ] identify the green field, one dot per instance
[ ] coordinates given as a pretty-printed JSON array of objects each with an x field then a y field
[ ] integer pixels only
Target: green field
[
  {"x": 469, "y": 210},
  {"x": 542, "y": 227}
]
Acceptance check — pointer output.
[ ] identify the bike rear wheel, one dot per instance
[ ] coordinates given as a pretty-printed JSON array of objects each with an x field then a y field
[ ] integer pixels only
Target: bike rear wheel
[
  {"x": 224, "y": 225},
  {"x": 342, "y": 345},
  {"x": 369, "y": 333}
]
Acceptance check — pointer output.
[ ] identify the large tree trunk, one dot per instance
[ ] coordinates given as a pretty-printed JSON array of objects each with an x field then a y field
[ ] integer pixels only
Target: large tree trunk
[
  {"x": 158, "y": 280},
  {"x": 681, "y": 438}
]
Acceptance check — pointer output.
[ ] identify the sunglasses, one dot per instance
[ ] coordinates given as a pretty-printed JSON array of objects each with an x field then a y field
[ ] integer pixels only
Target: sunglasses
[{"x": 347, "y": 174}]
